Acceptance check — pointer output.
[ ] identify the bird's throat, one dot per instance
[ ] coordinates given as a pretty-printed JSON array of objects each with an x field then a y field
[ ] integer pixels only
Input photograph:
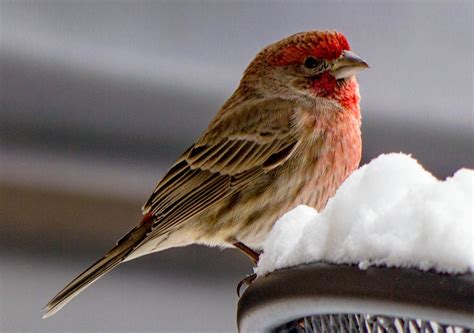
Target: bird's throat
[{"x": 344, "y": 92}]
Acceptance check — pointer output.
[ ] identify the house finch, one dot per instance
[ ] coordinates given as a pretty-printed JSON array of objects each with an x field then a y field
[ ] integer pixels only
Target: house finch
[{"x": 289, "y": 135}]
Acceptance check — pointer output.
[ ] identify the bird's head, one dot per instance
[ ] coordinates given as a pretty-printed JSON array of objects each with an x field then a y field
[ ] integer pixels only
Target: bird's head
[{"x": 315, "y": 64}]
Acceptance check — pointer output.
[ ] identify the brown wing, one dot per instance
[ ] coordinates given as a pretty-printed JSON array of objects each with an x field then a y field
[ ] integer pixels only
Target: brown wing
[{"x": 227, "y": 158}]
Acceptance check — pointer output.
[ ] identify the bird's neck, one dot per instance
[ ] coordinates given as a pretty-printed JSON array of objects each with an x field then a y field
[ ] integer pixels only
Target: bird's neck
[{"x": 334, "y": 123}]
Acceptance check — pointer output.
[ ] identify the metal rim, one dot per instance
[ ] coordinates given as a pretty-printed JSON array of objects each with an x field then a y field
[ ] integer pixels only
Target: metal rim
[{"x": 319, "y": 288}]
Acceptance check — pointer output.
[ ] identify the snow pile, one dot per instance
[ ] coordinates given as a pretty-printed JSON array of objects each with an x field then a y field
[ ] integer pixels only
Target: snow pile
[{"x": 389, "y": 212}]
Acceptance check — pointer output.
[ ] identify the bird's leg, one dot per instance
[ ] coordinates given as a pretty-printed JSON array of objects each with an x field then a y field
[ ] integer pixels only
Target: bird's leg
[{"x": 254, "y": 256}]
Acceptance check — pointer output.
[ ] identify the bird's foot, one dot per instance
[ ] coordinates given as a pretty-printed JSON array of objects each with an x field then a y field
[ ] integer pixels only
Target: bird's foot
[{"x": 247, "y": 281}]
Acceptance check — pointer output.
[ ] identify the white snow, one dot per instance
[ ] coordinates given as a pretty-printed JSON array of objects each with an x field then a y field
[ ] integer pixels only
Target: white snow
[{"x": 389, "y": 212}]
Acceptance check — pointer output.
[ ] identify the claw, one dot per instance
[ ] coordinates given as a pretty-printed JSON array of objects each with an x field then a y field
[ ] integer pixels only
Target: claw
[{"x": 247, "y": 281}]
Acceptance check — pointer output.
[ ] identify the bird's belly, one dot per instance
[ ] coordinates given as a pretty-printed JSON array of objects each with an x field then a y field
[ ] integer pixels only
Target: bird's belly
[
  {"x": 250, "y": 218},
  {"x": 309, "y": 187}
]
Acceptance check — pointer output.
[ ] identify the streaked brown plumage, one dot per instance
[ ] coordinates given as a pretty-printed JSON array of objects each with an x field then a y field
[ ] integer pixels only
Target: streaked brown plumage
[{"x": 289, "y": 135}]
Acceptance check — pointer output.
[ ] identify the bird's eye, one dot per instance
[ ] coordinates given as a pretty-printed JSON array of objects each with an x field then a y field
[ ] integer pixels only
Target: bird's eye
[{"x": 311, "y": 63}]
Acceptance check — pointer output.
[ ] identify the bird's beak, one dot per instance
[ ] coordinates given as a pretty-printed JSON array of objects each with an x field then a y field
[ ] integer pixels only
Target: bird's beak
[{"x": 348, "y": 64}]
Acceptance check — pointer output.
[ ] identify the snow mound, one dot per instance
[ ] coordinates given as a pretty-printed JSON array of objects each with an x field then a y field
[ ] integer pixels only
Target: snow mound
[{"x": 389, "y": 212}]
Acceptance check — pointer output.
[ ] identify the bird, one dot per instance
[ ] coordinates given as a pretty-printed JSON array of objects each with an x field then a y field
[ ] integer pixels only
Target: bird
[{"x": 289, "y": 135}]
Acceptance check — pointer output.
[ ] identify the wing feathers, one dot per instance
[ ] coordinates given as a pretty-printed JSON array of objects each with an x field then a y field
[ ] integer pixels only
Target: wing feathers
[{"x": 223, "y": 162}]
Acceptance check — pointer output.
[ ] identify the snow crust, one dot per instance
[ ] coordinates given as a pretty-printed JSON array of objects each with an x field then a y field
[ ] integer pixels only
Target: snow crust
[{"x": 389, "y": 212}]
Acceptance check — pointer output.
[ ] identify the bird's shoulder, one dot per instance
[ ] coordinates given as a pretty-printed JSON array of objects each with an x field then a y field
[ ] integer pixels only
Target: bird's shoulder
[{"x": 260, "y": 119}]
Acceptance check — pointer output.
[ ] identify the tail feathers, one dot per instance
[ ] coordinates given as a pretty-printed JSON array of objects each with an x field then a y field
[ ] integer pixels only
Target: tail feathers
[{"x": 112, "y": 259}]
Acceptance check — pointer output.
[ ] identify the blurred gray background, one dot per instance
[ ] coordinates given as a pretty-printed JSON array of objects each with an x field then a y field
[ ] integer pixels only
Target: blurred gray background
[{"x": 99, "y": 97}]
